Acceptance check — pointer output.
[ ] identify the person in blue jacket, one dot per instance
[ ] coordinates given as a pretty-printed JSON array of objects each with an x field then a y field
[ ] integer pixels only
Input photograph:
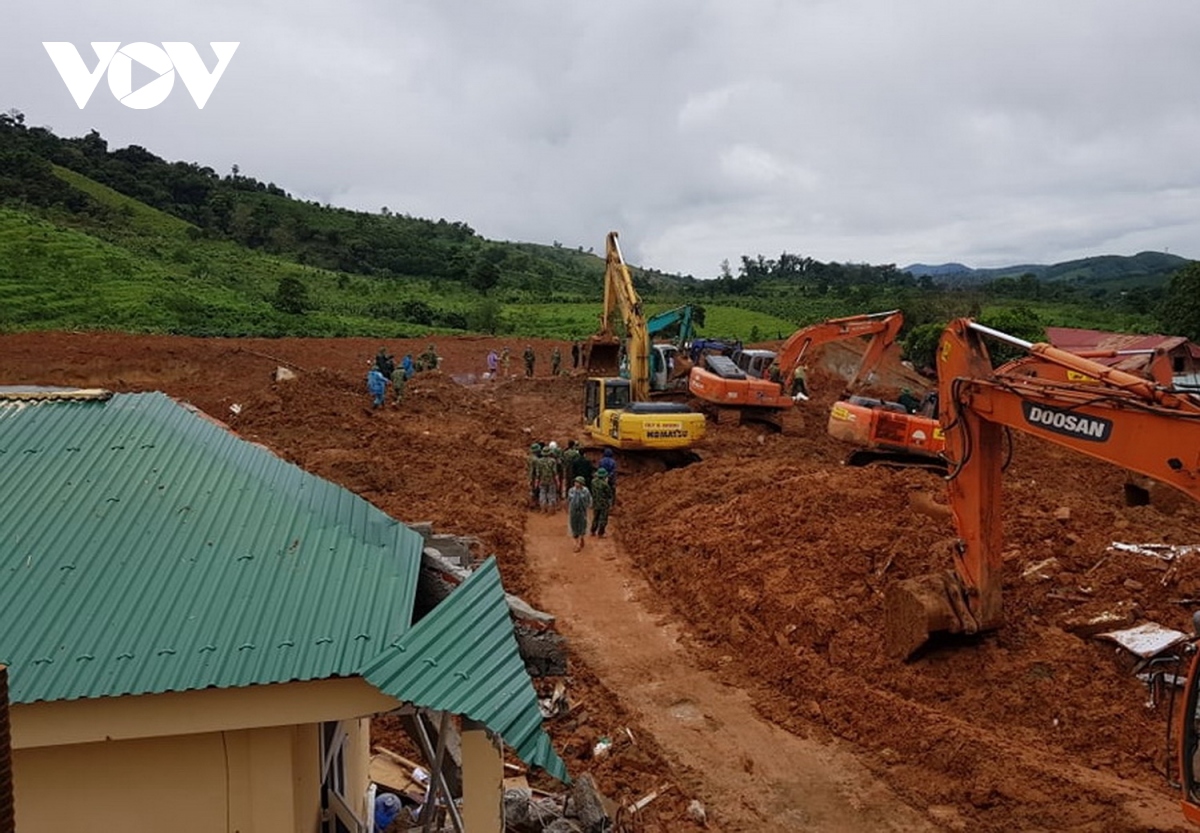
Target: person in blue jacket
[
  {"x": 609, "y": 463},
  {"x": 377, "y": 384},
  {"x": 407, "y": 364},
  {"x": 387, "y": 807}
]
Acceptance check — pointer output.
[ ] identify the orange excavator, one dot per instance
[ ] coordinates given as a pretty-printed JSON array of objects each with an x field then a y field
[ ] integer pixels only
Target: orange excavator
[
  {"x": 1115, "y": 416},
  {"x": 733, "y": 394},
  {"x": 887, "y": 433},
  {"x": 1120, "y": 418}
]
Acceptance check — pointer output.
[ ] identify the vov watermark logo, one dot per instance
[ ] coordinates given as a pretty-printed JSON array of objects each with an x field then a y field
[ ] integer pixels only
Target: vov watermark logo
[{"x": 173, "y": 57}]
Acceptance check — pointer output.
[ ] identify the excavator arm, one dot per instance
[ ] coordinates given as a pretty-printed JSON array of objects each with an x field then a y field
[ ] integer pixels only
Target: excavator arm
[
  {"x": 601, "y": 351},
  {"x": 679, "y": 318},
  {"x": 1121, "y": 418},
  {"x": 1154, "y": 364},
  {"x": 884, "y": 327}
]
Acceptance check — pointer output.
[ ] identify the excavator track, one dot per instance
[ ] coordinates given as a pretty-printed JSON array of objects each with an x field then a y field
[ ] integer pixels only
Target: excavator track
[{"x": 896, "y": 460}]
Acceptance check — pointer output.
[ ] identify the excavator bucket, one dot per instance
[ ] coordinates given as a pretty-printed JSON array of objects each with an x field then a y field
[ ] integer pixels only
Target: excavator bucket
[
  {"x": 602, "y": 355},
  {"x": 917, "y": 607}
]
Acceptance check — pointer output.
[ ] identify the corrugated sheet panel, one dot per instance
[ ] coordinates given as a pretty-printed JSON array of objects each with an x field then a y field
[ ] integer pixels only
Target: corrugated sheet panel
[
  {"x": 144, "y": 549},
  {"x": 462, "y": 658}
]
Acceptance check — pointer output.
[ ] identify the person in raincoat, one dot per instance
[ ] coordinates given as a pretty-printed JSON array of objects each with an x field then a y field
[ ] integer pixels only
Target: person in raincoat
[
  {"x": 377, "y": 385},
  {"x": 579, "y": 500}
]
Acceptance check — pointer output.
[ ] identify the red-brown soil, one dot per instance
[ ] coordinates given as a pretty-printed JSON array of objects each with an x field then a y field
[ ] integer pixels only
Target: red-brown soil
[{"x": 769, "y": 555}]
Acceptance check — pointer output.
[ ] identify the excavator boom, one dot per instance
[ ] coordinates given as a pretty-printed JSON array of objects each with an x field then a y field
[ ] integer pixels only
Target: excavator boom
[
  {"x": 1122, "y": 419},
  {"x": 883, "y": 327},
  {"x": 601, "y": 352}
]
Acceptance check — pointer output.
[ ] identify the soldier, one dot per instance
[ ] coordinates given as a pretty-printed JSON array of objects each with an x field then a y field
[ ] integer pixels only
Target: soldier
[
  {"x": 529, "y": 359},
  {"x": 430, "y": 358},
  {"x": 581, "y": 466},
  {"x": 505, "y": 361},
  {"x": 609, "y": 463},
  {"x": 800, "y": 381},
  {"x": 570, "y": 458},
  {"x": 547, "y": 481},
  {"x": 556, "y": 453},
  {"x": 535, "y": 453},
  {"x": 602, "y": 497},
  {"x": 555, "y": 361},
  {"x": 399, "y": 382},
  {"x": 384, "y": 362}
]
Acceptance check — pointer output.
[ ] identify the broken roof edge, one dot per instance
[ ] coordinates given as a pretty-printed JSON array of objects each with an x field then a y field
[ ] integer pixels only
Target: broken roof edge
[
  {"x": 37, "y": 393},
  {"x": 462, "y": 657}
]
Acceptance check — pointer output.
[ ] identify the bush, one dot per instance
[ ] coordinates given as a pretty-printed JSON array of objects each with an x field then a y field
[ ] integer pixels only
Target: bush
[{"x": 291, "y": 297}]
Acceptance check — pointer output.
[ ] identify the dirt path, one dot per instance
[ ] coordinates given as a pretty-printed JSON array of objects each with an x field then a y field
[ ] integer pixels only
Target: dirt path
[{"x": 755, "y": 775}]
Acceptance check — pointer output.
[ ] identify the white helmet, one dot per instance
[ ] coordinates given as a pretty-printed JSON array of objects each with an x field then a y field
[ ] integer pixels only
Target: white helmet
[{"x": 553, "y": 446}]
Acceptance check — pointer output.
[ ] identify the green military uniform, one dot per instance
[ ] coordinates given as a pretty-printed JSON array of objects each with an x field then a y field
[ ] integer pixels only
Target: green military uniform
[
  {"x": 430, "y": 358},
  {"x": 529, "y": 359},
  {"x": 555, "y": 361},
  {"x": 535, "y": 453},
  {"x": 602, "y": 497},
  {"x": 800, "y": 381},
  {"x": 399, "y": 381},
  {"x": 547, "y": 480}
]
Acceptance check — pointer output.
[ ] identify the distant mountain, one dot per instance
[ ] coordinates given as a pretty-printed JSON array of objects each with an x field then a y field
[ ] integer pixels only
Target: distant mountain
[
  {"x": 1143, "y": 269},
  {"x": 940, "y": 271}
]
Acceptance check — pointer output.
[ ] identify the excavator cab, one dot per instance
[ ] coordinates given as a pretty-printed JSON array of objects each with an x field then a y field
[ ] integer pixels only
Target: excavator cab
[
  {"x": 604, "y": 394},
  {"x": 612, "y": 418}
]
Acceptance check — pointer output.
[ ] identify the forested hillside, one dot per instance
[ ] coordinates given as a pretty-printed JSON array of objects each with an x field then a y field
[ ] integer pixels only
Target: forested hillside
[{"x": 100, "y": 238}]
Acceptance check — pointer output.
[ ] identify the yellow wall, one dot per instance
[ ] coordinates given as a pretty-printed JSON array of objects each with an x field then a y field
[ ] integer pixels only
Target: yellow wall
[
  {"x": 263, "y": 779},
  {"x": 243, "y": 780}
]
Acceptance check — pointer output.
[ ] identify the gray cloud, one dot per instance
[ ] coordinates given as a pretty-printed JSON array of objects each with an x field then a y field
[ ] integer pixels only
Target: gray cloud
[{"x": 857, "y": 130}]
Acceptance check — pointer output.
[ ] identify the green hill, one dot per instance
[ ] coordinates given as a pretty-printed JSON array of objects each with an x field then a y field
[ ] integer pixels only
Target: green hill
[
  {"x": 77, "y": 254},
  {"x": 93, "y": 238}
]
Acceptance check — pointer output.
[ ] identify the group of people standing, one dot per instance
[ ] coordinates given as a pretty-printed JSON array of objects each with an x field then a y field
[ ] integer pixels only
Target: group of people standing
[
  {"x": 385, "y": 371},
  {"x": 498, "y": 363},
  {"x": 568, "y": 475}
]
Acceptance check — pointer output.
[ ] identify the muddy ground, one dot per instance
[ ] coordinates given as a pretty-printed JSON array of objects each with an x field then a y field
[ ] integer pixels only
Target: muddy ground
[{"x": 769, "y": 554}]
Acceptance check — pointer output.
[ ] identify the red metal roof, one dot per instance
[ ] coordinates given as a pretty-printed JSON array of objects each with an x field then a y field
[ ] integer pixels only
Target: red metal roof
[{"x": 1076, "y": 340}]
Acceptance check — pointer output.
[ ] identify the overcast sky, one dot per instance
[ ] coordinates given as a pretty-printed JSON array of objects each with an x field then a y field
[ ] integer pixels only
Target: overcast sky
[{"x": 880, "y": 131}]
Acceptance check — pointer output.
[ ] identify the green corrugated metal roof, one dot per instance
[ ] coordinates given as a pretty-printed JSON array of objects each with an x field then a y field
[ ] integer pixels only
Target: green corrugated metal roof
[
  {"x": 462, "y": 658},
  {"x": 147, "y": 549}
]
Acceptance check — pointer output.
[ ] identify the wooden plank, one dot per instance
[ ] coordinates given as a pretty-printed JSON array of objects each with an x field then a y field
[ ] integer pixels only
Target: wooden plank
[{"x": 389, "y": 774}]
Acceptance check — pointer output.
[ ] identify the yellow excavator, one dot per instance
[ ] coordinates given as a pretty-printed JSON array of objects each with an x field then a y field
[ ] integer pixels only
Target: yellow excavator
[{"x": 617, "y": 411}]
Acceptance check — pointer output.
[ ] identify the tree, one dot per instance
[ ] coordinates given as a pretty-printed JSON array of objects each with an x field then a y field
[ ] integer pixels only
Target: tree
[
  {"x": 921, "y": 343},
  {"x": 1179, "y": 312},
  {"x": 291, "y": 296},
  {"x": 485, "y": 272},
  {"x": 485, "y": 317},
  {"x": 1020, "y": 321}
]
